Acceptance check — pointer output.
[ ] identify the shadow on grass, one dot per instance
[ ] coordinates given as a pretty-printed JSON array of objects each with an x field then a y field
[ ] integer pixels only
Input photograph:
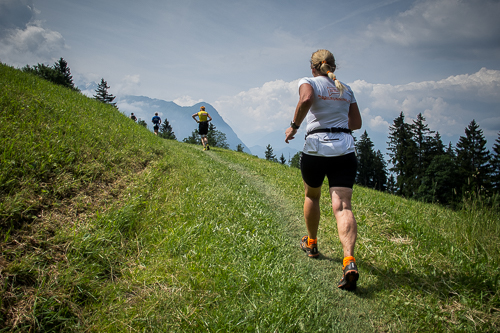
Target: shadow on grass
[
  {"x": 439, "y": 283},
  {"x": 361, "y": 290},
  {"x": 442, "y": 283},
  {"x": 388, "y": 279}
]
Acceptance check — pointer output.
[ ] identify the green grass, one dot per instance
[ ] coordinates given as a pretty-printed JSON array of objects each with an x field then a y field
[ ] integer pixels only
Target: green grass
[
  {"x": 108, "y": 228},
  {"x": 55, "y": 142}
]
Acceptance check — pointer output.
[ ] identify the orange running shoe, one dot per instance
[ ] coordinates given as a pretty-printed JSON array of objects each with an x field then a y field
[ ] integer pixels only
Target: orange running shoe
[
  {"x": 310, "y": 249},
  {"x": 350, "y": 275}
]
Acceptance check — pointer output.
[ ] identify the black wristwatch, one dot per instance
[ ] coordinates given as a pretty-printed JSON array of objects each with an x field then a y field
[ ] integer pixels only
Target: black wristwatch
[{"x": 294, "y": 126}]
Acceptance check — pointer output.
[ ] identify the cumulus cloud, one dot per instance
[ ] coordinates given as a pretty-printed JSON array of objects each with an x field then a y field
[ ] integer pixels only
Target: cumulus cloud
[
  {"x": 448, "y": 105},
  {"x": 127, "y": 108},
  {"x": 31, "y": 45},
  {"x": 129, "y": 85},
  {"x": 453, "y": 27},
  {"x": 374, "y": 122},
  {"x": 186, "y": 101},
  {"x": 23, "y": 40},
  {"x": 141, "y": 110},
  {"x": 266, "y": 108}
]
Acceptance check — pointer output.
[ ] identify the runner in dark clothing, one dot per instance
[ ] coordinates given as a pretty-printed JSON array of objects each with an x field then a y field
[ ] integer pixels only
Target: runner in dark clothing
[{"x": 156, "y": 121}]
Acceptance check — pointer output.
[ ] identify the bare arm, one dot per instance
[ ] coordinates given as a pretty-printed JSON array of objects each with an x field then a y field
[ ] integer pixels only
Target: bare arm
[
  {"x": 306, "y": 99},
  {"x": 194, "y": 117},
  {"x": 354, "y": 116},
  {"x": 208, "y": 115}
]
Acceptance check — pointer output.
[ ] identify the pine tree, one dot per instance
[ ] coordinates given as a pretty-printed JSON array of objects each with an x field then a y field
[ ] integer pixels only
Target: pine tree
[
  {"x": 450, "y": 150},
  {"x": 66, "y": 79},
  {"x": 495, "y": 165},
  {"x": 380, "y": 171},
  {"x": 422, "y": 139},
  {"x": 194, "y": 138},
  {"x": 166, "y": 131},
  {"x": 391, "y": 185},
  {"x": 436, "y": 147},
  {"x": 269, "y": 153},
  {"x": 439, "y": 181},
  {"x": 402, "y": 152},
  {"x": 436, "y": 187},
  {"x": 295, "y": 161},
  {"x": 216, "y": 138},
  {"x": 366, "y": 173},
  {"x": 472, "y": 159},
  {"x": 103, "y": 95},
  {"x": 282, "y": 159}
]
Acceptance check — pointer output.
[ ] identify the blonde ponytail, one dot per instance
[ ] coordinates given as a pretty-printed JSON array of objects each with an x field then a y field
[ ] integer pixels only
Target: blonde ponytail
[
  {"x": 338, "y": 84},
  {"x": 324, "y": 62}
]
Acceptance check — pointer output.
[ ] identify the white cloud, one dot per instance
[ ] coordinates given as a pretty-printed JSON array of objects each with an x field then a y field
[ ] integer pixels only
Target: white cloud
[
  {"x": 186, "y": 101},
  {"x": 130, "y": 107},
  {"x": 129, "y": 85},
  {"x": 448, "y": 105},
  {"x": 31, "y": 46},
  {"x": 379, "y": 123},
  {"x": 260, "y": 110},
  {"x": 23, "y": 39},
  {"x": 375, "y": 123},
  {"x": 141, "y": 109}
]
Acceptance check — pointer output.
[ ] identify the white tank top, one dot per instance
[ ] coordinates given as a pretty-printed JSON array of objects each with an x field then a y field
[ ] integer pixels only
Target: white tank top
[{"x": 329, "y": 109}]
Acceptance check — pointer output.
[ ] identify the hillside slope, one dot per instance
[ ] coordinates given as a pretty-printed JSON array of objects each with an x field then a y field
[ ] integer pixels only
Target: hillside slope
[
  {"x": 56, "y": 142},
  {"x": 108, "y": 228}
]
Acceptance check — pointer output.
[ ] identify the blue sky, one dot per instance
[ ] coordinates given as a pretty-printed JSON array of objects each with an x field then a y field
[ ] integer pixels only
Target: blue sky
[{"x": 440, "y": 58}]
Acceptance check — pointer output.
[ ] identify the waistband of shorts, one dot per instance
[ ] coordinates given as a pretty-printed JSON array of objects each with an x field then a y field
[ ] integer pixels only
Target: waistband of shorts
[{"x": 330, "y": 130}]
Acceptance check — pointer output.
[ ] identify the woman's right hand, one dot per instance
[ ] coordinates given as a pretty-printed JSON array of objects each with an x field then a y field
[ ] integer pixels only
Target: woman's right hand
[{"x": 290, "y": 134}]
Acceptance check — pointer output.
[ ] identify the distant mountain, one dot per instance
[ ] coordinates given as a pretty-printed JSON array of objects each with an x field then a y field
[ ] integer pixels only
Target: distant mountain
[
  {"x": 88, "y": 88},
  {"x": 179, "y": 117}
]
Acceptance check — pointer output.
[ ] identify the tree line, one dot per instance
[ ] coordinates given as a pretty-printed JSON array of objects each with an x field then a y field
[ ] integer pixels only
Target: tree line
[
  {"x": 423, "y": 168},
  {"x": 60, "y": 74}
]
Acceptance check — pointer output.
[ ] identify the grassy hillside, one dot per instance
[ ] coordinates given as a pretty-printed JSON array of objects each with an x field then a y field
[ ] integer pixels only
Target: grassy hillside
[{"x": 107, "y": 228}]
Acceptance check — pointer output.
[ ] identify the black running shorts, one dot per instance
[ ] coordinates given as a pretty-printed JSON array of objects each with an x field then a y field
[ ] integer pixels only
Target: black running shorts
[
  {"x": 203, "y": 128},
  {"x": 340, "y": 170}
]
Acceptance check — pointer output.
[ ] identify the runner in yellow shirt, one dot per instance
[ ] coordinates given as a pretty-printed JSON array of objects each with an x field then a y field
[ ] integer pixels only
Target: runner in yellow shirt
[{"x": 203, "y": 119}]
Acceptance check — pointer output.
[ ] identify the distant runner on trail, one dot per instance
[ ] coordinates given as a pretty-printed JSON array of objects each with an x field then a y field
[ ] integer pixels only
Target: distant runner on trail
[
  {"x": 134, "y": 118},
  {"x": 156, "y": 121},
  {"x": 203, "y": 119},
  {"x": 331, "y": 113}
]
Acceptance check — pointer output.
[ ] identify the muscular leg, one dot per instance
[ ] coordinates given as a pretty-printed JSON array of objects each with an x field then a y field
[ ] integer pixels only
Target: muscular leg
[
  {"x": 311, "y": 210},
  {"x": 346, "y": 223}
]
